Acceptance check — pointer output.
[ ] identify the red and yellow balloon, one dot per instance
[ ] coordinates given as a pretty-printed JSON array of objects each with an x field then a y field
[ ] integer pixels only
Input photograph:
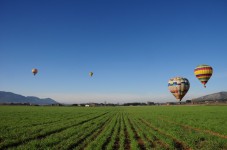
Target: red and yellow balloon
[{"x": 203, "y": 73}]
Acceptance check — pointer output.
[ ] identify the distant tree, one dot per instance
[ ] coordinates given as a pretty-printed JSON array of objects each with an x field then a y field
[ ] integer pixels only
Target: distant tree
[
  {"x": 134, "y": 104},
  {"x": 150, "y": 103},
  {"x": 188, "y": 101}
]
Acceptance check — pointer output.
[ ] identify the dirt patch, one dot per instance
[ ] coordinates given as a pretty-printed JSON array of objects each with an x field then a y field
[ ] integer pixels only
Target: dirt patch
[
  {"x": 200, "y": 143},
  {"x": 178, "y": 145}
]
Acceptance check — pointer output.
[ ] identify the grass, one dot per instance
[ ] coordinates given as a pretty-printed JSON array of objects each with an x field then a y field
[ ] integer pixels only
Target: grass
[{"x": 147, "y": 127}]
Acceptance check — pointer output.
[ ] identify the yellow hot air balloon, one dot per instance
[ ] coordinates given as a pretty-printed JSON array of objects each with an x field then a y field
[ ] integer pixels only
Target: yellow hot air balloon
[
  {"x": 203, "y": 73},
  {"x": 91, "y": 74},
  {"x": 34, "y": 71},
  {"x": 178, "y": 86}
]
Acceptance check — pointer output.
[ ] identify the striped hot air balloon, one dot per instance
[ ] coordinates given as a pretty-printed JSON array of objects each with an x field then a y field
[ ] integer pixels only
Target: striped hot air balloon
[
  {"x": 203, "y": 73},
  {"x": 178, "y": 86}
]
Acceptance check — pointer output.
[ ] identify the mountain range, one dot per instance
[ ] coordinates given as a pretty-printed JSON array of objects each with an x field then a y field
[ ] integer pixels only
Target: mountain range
[
  {"x": 9, "y": 97},
  {"x": 220, "y": 96}
]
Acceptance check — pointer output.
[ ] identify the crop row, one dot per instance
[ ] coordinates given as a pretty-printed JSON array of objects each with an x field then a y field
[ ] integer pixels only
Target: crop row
[
  {"x": 178, "y": 136},
  {"x": 123, "y": 128},
  {"x": 43, "y": 131}
]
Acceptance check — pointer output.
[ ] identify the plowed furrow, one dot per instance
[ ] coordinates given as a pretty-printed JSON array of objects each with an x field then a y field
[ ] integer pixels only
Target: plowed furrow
[
  {"x": 117, "y": 139},
  {"x": 151, "y": 143},
  {"x": 48, "y": 122},
  {"x": 136, "y": 136},
  {"x": 14, "y": 144},
  {"x": 109, "y": 137},
  {"x": 196, "y": 129},
  {"x": 127, "y": 138},
  {"x": 91, "y": 135},
  {"x": 177, "y": 144}
]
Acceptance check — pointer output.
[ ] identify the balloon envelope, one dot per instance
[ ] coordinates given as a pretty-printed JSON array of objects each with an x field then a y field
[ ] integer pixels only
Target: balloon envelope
[
  {"x": 178, "y": 86},
  {"x": 34, "y": 71},
  {"x": 203, "y": 73},
  {"x": 91, "y": 74}
]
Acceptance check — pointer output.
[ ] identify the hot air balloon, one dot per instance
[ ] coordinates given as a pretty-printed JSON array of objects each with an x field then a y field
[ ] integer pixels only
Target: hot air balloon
[
  {"x": 34, "y": 71},
  {"x": 91, "y": 74},
  {"x": 178, "y": 86},
  {"x": 203, "y": 73}
]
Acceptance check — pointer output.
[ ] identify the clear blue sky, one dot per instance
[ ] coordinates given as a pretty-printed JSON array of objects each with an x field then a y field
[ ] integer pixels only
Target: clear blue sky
[{"x": 133, "y": 48}]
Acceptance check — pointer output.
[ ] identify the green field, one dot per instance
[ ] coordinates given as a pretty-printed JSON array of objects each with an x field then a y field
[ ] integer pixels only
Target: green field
[{"x": 148, "y": 127}]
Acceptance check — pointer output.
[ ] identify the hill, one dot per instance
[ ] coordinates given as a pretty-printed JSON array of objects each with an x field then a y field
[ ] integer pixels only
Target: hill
[
  {"x": 220, "y": 96},
  {"x": 9, "y": 97}
]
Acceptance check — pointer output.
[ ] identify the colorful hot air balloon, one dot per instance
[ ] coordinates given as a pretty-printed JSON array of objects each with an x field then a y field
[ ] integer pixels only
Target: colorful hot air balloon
[
  {"x": 203, "y": 73},
  {"x": 34, "y": 71},
  {"x": 178, "y": 86},
  {"x": 91, "y": 74}
]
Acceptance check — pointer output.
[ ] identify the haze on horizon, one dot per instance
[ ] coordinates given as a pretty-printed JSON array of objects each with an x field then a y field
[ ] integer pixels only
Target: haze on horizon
[{"x": 133, "y": 48}]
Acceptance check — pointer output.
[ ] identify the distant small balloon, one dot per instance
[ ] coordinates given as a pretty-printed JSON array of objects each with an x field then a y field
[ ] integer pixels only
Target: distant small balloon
[
  {"x": 34, "y": 71},
  {"x": 203, "y": 73},
  {"x": 178, "y": 86},
  {"x": 91, "y": 74}
]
